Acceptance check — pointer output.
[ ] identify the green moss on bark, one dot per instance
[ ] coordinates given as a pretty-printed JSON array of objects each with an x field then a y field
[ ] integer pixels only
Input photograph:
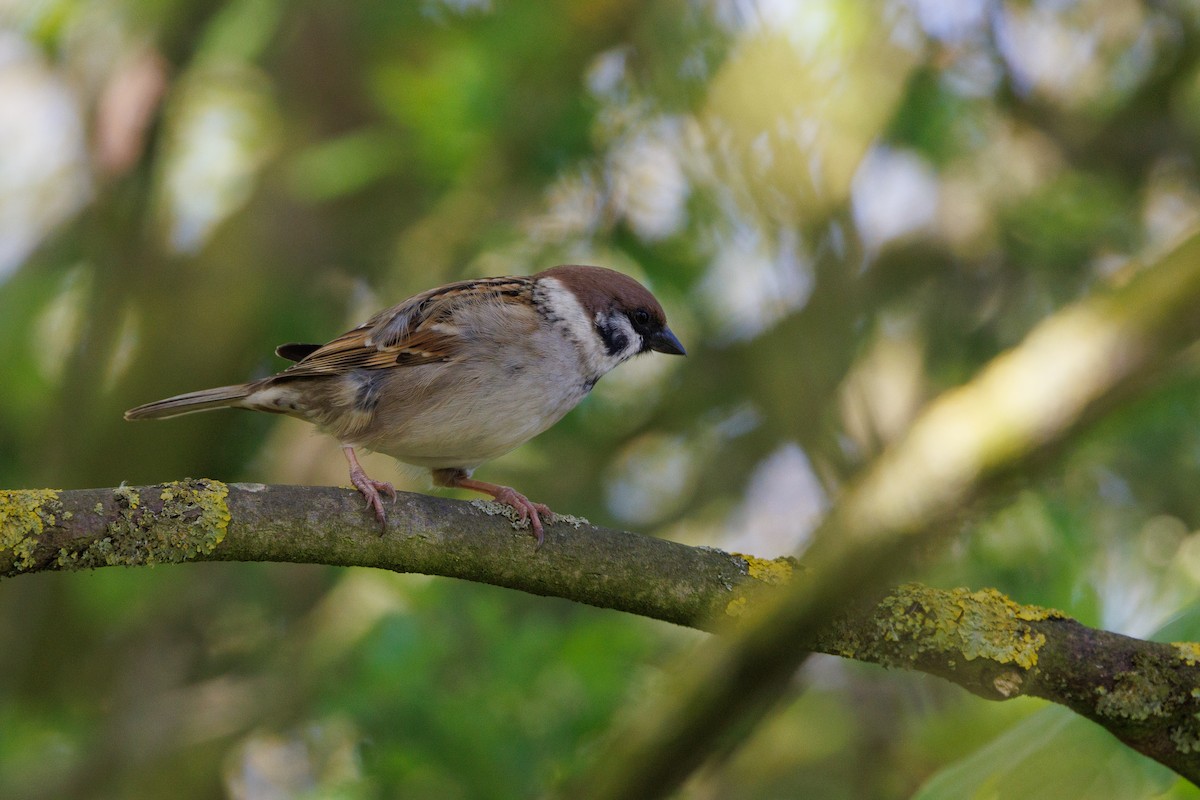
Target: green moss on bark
[{"x": 168, "y": 523}]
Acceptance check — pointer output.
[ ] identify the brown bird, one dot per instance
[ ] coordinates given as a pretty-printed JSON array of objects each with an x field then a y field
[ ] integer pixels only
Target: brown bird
[{"x": 458, "y": 375}]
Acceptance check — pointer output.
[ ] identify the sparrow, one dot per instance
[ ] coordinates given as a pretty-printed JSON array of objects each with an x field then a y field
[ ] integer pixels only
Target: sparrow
[{"x": 457, "y": 375}]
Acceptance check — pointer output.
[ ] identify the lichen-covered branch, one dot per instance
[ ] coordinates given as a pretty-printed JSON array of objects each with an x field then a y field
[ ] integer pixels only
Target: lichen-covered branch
[
  {"x": 205, "y": 520},
  {"x": 1073, "y": 368},
  {"x": 1143, "y": 692},
  {"x": 1147, "y": 694}
]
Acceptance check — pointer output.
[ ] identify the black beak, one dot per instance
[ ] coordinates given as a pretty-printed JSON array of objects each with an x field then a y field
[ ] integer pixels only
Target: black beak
[{"x": 663, "y": 341}]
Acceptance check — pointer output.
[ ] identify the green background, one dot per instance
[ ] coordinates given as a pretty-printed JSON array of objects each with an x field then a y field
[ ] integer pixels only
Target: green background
[{"x": 845, "y": 208}]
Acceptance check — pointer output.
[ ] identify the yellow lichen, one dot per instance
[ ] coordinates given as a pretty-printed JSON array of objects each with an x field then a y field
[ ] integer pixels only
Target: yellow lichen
[
  {"x": 768, "y": 571},
  {"x": 190, "y": 518},
  {"x": 203, "y": 505},
  {"x": 127, "y": 496},
  {"x": 981, "y": 624},
  {"x": 1189, "y": 652},
  {"x": 763, "y": 573},
  {"x": 24, "y": 515}
]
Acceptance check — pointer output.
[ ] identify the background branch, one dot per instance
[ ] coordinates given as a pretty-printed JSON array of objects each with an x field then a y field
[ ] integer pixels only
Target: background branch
[
  {"x": 1140, "y": 691},
  {"x": 1069, "y": 371}
]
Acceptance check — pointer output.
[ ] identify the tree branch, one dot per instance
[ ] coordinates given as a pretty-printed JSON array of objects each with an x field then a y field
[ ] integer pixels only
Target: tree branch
[
  {"x": 1069, "y": 371},
  {"x": 204, "y": 520},
  {"x": 1140, "y": 691}
]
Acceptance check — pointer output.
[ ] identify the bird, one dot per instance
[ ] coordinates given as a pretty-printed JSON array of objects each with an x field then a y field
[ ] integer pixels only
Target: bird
[{"x": 457, "y": 375}]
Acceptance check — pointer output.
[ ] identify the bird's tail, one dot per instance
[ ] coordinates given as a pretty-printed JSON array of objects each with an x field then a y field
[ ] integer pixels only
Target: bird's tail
[{"x": 220, "y": 397}]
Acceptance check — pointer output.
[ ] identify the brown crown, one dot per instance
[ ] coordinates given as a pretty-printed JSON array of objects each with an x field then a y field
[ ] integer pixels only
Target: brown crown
[{"x": 600, "y": 289}]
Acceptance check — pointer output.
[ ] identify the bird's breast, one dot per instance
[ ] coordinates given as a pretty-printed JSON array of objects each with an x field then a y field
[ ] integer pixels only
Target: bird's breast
[{"x": 463, "y": 413}]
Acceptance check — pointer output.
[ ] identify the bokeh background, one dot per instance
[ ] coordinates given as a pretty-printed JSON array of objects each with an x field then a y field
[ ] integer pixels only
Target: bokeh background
[{"x": 845, "y": 207}]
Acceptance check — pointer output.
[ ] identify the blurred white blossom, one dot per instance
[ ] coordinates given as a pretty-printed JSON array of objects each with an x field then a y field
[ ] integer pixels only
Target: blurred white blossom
[
  {"x": 751, "y": 282},
  {"x": 608, "y": 72},
  {"x": 1078, "y": 54},
  {"x": 953, "y": 20},
  {"x": 895, "y": 193},
  {"x": 573, "y": 209},
  {"x": 222, "y": 130},
  {"x": 784, "y": 502},
  {"x": 650, "y": 479},
  {"x": 648, "y": 184},
  {"x": 43, "y": 155}
]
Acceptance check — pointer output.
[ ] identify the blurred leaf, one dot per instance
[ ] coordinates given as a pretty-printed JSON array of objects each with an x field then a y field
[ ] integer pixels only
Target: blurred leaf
[
  {"x": 1070, "y": 221},
  {"x": 710, "y": 148},
  {"x": 241, "y": 31},
  {"x": 1051, "y": 754},
  {"x": 938, "y": 122},
  {"x": 485, "y": 712},
  {"x": 345, "y": 165},
  {"x": 794, "y": 108},
  {"x": 445, "y": 103}
]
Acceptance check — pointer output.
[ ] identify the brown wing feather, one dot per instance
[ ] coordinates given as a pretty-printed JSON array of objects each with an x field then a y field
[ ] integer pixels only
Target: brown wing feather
[{"x": 418, "y": 331}]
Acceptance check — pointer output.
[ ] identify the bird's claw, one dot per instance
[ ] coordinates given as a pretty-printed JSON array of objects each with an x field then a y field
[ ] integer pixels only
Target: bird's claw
[
  {"x": 527, "y": 510},
  {"x": 370, "y": 490}
]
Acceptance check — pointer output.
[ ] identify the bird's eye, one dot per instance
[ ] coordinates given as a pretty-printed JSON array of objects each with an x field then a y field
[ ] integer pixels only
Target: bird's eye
[{"x": 641, "y": 317}]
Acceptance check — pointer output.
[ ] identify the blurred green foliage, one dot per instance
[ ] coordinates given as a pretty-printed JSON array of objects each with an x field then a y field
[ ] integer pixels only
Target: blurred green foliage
[{"x": 845, "y": 211}]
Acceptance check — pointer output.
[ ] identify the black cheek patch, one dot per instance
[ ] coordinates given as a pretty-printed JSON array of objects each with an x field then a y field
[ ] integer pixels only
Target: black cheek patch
[{"x": 615, "y": 340}]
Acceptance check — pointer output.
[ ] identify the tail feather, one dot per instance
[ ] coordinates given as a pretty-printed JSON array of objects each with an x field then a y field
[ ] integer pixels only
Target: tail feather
[{"x": 220, "y": 397}]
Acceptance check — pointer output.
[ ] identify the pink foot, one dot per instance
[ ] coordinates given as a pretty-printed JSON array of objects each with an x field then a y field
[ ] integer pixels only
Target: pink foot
[
  {"x": 368, "y": 487},
  {"x": 526, "y": 510}
]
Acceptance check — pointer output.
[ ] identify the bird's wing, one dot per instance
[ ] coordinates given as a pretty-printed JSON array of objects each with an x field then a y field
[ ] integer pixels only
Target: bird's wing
[{"x": 421, "y": 330}]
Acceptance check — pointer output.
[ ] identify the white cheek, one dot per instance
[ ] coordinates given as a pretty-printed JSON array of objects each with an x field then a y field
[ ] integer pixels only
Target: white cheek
[
  {"x": 564, "y": 306},
  {"x": 581, "y": 329},
  {"x": 574, "y": 321}
]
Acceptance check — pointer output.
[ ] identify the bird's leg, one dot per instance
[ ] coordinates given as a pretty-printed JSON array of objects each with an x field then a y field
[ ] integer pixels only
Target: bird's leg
[
  {"x": 369, "y": 488},
  {"x": 526, "y": 509}
]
